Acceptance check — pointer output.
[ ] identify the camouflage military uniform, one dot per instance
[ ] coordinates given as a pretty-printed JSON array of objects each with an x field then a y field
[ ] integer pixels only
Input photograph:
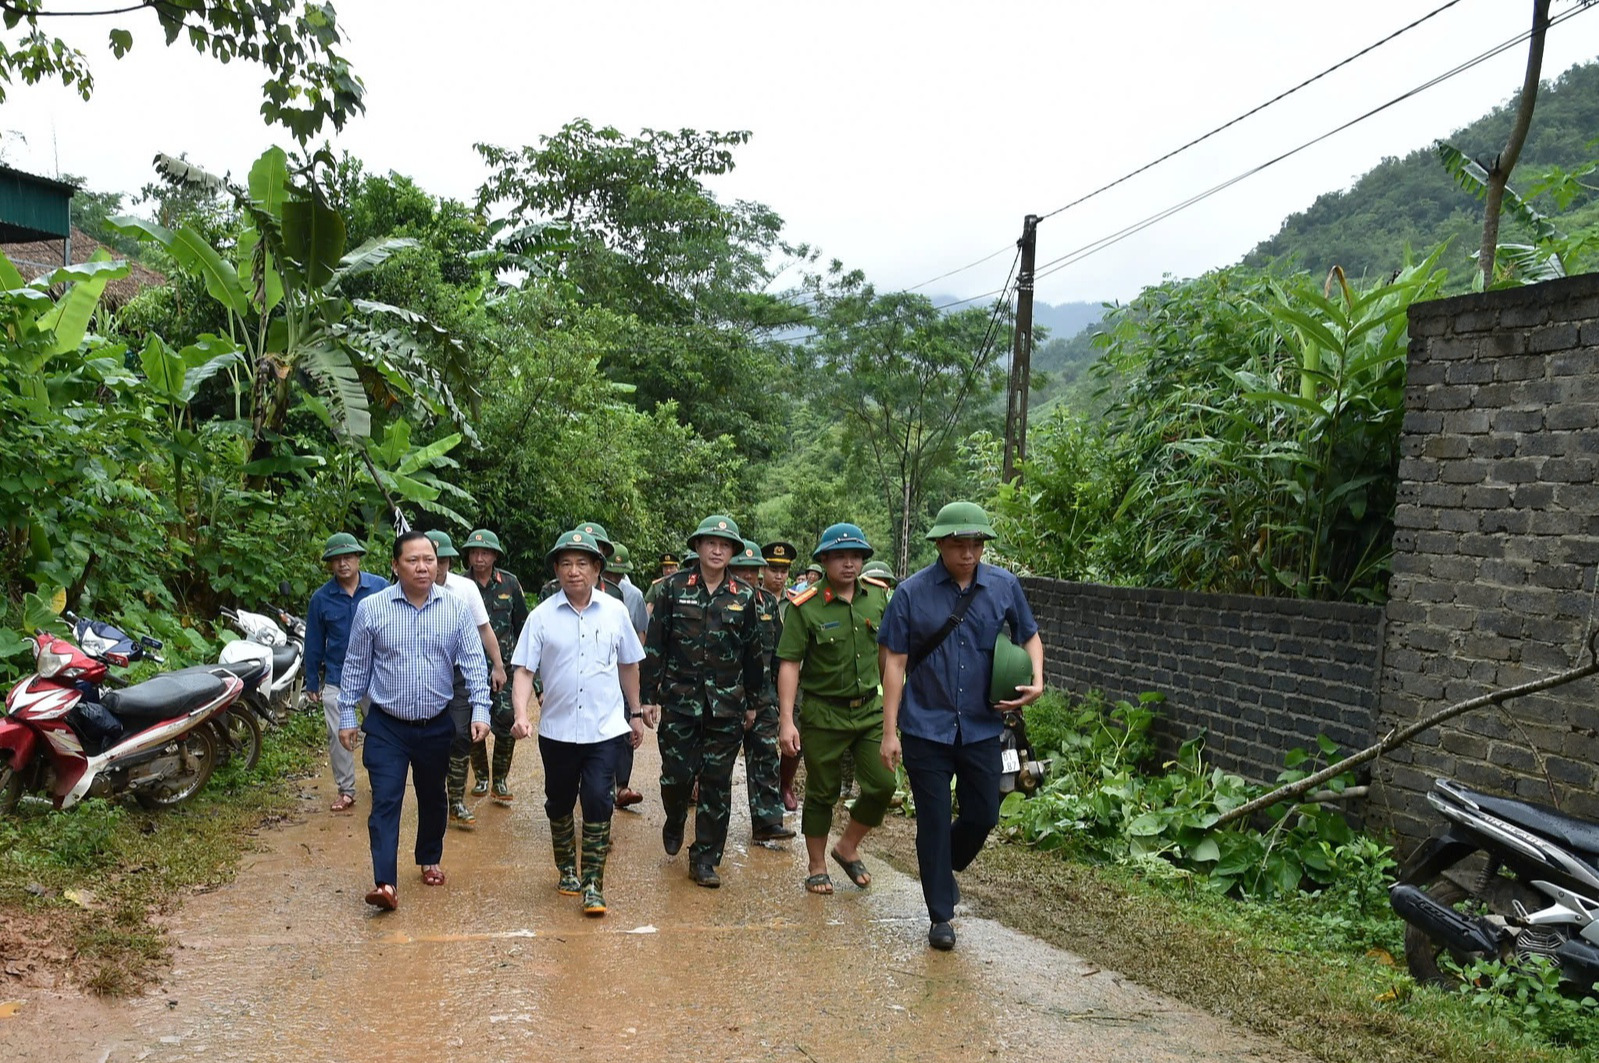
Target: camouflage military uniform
[
  {"x": 703, "y": 654},
  {"x": 507, "y": 609},
  {"x": 760, "y": 741}
]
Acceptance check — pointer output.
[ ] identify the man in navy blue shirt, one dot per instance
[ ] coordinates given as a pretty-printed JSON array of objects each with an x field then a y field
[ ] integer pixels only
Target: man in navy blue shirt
[
  {"x": 327, "y": 635},
  {"x": 937, "y": 717}
]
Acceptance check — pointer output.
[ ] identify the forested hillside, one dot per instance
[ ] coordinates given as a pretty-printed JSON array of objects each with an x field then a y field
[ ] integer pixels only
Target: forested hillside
[{"x": 1412, "y": 202}]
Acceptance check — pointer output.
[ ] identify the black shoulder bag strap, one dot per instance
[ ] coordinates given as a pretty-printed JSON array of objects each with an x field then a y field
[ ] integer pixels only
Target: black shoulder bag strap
[{"x": 925, "y": 650}]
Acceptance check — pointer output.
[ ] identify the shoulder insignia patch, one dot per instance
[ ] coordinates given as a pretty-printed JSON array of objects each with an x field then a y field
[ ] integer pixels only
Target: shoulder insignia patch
[
  {"x": 874, "y": 581},
  {"x": 801, "y": 597}
]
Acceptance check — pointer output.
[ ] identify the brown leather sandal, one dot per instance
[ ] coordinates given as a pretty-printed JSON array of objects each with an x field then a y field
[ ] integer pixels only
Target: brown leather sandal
[
  {"x": 343, "y": 804},
  {"x": 433, "y": 876}
]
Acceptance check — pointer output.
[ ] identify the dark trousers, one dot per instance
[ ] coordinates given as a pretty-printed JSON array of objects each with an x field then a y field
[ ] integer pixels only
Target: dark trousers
[
  {"x": 624, "y": 766},
  {"x": 703, "y": 749},
  {"x": 392, "y": 748},
  {"x": 944, "y": 847},
  {"x": 460, "y": 711},
  {"x": 580, "y": 772}
]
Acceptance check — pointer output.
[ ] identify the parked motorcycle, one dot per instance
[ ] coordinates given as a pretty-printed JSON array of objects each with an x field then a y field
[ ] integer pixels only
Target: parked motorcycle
[
  {"x": 238, "y": 729},
  {"x": 147, "y": 739},
  {"x": 279, "y": 644},
  {"x": 1536, "y": 893},
  {"x": 1018, "y": 768}
]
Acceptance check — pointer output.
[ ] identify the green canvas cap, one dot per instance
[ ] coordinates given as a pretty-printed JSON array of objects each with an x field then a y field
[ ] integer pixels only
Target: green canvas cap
[
  {"x": 601, "y": 536},
  {"x": 578, "y": 540},
  {"x": 720, "y": 526},
  {"x": 621, "y": 559},
  {"x": 483, "y": 539},
  {"x": 1012, "y": 669},
  {"x": 442, "y": 544},
  {"x": 963, "y": 520},
  {"x": 749, "y": 557},
  {"x": 339, "y": 544}
]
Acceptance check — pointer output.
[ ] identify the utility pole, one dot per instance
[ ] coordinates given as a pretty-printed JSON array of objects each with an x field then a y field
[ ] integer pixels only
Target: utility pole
[{"x": 1021, "y": 367}]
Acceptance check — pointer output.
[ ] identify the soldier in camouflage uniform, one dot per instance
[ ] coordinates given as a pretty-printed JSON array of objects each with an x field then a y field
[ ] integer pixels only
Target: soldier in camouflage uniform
[
  {"x": 507, "y": 609},
  {"x": 760, "y": 740},
  {"x": 779, "y": 557},
  {"x": 702, "y": 660}
]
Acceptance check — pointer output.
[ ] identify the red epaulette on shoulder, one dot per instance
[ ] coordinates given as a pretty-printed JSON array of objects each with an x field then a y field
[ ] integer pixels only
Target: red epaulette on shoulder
[
  {"x": 874, "y": 581},
  {"x": 803, "y": 596},
  {"x": 693, "y": 578}
]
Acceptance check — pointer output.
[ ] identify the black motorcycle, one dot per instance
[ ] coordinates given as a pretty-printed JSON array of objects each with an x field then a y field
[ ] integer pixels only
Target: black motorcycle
[{"x": 1535, "y": 891}]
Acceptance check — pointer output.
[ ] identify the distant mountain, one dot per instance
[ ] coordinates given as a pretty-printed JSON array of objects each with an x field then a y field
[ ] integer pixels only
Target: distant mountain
[{"x": 1413, "y": 202}]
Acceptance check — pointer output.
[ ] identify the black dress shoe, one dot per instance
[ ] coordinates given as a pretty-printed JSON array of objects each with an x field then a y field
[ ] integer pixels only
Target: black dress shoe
[
  {"x": 705, "y": 875},
  {"x": 941, "y": 937},
  {"x": 672, "y": 837}
]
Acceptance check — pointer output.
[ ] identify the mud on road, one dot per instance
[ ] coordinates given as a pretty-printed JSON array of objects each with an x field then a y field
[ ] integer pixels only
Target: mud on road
[{"x": 287, "y": 963}]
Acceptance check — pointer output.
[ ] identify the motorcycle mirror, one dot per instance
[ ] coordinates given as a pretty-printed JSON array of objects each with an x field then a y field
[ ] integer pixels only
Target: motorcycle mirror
[
  {"x": 284, "y": 589},
  {"x": 149, "y": 643}
]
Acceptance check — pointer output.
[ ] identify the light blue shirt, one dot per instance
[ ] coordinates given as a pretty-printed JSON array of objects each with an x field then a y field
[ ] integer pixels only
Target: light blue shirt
[
  {"x": 576, "y": 655},
  {"x": 405, "y": 657},
  {"x": 633, "y": 598}
]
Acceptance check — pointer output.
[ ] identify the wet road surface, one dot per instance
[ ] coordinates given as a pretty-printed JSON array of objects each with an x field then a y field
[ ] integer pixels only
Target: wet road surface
[{"x": 288, "y": 964}]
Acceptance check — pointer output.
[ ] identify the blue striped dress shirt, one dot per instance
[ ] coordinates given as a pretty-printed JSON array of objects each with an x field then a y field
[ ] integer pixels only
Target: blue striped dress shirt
[{"x": 405, "y": 657}]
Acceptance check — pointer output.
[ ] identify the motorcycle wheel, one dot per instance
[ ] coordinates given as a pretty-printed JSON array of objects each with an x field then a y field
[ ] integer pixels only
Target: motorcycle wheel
[
  {"x": 197, "y": 756},
  {"x": 10, "y": 789},
  {"x": 240, "y": 736}
]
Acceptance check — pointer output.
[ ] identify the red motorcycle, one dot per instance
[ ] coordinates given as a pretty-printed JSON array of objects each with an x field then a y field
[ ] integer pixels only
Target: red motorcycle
[{"x": 145, "y": 739}]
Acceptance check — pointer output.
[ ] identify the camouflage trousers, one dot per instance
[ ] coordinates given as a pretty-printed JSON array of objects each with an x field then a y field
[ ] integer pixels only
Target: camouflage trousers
[
  {"x": 761, "y": 771},
  {"x": 703, "y": 748},
  {"x": 476, "y": 754}
]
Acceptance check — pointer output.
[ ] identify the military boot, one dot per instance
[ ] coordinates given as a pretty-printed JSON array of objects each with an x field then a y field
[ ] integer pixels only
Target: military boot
[
  {"x": 455, "y": 780},
  {"x": 596, "y": 847},
  {"x": 480, "y": 768},
  {"x": 461, "y": 816},
  {"x": 563, "y": 838},
  {"x": 504, "y": 748}
]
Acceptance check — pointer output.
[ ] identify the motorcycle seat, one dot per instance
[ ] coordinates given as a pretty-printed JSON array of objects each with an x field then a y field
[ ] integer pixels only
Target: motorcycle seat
[
  {"x": 247, "y": 671},
  {"x": 166, "y": 695},
  {"x": 1576, "y": 834},
  {"x": 283, "y": 659}
]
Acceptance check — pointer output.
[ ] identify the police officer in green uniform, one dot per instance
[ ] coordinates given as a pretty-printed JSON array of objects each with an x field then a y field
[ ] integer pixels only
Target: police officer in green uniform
[
  {"x": 703, "y": 668},
  {"x": 760, "y": 739},
  {"x": 780, "y": 557},
  {"x": 507, "y": 608},
  {"x": 829, "y": 648}
]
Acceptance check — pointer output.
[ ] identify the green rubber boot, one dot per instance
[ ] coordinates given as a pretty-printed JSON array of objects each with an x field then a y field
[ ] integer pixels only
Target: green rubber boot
[
  {"x": 504, "y": 749},
  {"x": 596, "y": 847},
  {"x": 480, "y": 768},
  {"x": 563, "y": 838}
]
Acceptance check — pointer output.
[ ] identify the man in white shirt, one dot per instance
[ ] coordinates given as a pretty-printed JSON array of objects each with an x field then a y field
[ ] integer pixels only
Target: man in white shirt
[
  {"x": 462, "y": 588},
  {"x": 584, "y": 649}
]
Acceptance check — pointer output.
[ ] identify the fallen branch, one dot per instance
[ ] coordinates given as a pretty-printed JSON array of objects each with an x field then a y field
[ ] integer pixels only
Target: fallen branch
[{"x": 1394, "y": 739}]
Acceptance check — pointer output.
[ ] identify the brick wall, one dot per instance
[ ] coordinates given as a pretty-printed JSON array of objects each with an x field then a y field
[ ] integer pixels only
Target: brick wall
[
  {"x": 1497, "y": 538},
  {"x": 1261, "y": 675}
]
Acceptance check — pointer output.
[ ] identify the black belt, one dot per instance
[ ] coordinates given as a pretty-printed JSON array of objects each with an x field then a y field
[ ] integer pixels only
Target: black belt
[
  {"x": 409, "y": 723},
  {"x": 842, "y": 703}
]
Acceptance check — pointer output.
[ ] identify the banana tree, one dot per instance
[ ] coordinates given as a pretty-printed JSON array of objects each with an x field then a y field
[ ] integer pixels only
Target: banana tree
[{"x": 288, "y": 316}]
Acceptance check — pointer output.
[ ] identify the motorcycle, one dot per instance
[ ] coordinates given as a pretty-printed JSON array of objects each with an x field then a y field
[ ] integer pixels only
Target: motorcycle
[
  {"x": 1019, "y": 770},
  {"x": 238, "y": 729},
  {"x": 1536, "y": 893},
  {"x": 147, "y": 739},
  {"x": 279, "y": 644}
]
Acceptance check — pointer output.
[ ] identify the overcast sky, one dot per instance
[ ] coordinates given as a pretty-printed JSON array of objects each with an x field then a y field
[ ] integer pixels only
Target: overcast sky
[{"x": 904, "y": 138}]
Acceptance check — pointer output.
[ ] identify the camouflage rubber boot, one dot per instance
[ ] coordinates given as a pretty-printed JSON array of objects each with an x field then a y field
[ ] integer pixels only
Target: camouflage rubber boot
[
  {"x": 504, "y": 748},
  {"x": 480, "y": 768},
  {"x": 455, "y": 781},
  {"x": 596, "y": 847},
  {"x": 563, "y": 838}
]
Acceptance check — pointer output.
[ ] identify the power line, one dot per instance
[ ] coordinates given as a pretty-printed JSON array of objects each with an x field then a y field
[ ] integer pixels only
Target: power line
[
  {"x": 1055, "y": 265},
  {"x": 1253, "y": 110}
]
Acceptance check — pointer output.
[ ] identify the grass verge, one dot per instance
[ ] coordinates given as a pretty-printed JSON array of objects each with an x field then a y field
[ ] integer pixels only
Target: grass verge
[
  {"x": 1305, "y": 982},
  {"x": 80, "y": 890}
]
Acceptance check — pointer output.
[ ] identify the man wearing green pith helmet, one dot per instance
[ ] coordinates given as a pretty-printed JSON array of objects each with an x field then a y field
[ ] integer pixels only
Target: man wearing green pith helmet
[
  {"x": 761, "y": 768},
  {"x": 506, "y": 605},
  {"x": 702, "y": 667}
]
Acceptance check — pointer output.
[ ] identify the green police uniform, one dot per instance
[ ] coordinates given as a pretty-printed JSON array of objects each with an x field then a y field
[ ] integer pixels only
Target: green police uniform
[
  {"x": 836, "y": 641},
  {"x": 702, "y": 660}
]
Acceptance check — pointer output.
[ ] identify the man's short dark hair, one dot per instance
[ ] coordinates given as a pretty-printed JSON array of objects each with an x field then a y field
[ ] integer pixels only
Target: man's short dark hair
[{"x": 408, "y": 537}]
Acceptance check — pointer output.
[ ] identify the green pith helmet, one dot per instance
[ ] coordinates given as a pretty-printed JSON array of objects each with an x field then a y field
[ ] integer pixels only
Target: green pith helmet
[
  {"x": 601, "y": 536},
  {"x": 880, "y": 570},
  {"x": 621, "y": 560},
  {"x": 818, "y": 569},
  {"x": 843, "y": 537},
  {"x": 483, "y": 539},
  {"x": 1012, "y": 669},
  {"x": 965, "y": 520},
  {"x": 442, "y": 545},
  {"x": 339, "y": 544},
  {"x": 720, "y": 527},
  {"x": 749, "y": 557},
  {"x": 578, "y": 540}
]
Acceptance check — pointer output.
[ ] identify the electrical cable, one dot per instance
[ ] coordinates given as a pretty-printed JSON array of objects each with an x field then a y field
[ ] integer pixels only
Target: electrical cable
[
  {"x": 1055, "y": 265},
  {"x": 1252, "y": 111}
]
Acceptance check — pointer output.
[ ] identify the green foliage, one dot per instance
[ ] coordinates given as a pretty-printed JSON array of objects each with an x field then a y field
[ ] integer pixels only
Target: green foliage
[
  {"x": 1527, "y": 992},
  {"x": 309, "y": 83},
  {"x": 82, "y": 838},
  {"x": 1099, "y": 800}
]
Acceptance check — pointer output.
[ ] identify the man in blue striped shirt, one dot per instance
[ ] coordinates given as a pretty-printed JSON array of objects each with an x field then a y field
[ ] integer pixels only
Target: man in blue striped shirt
[{"x": 405, "y": 644}]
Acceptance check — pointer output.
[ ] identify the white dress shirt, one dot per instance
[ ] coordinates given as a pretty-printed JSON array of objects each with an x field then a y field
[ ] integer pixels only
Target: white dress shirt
[
  {"x": 576, "y": 654},
  {"x": 466, "y": 589}
]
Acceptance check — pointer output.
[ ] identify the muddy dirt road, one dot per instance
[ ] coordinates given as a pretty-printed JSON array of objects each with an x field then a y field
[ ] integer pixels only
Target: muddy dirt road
[{"x": 288, "y": 964}]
